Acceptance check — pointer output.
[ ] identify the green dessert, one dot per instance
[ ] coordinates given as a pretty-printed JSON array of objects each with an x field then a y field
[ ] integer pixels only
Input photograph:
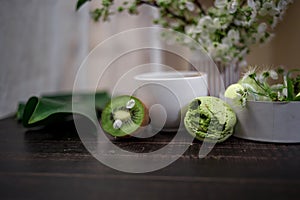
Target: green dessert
[
  {"x": 210, "y": 118},
  {"x": 232, "y": 91}
]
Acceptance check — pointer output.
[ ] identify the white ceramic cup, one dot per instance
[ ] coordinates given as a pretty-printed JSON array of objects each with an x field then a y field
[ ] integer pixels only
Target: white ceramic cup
[{"x": 167, "y": 94}]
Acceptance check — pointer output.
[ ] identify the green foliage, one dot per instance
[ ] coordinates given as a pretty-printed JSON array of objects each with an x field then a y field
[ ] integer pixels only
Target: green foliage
[
  {"x": 39, "y": 111},
  {"x": 80, "y": 3},
  {"x": 292, "y": 85},
  {"x": 226, "y": 30},
  {"x": 271, "y": 85},
  {"x": 96, "y": 14}
]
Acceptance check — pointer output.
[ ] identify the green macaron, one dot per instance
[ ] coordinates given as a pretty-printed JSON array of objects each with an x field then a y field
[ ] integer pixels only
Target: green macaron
[{"x": 210, "y": 118}]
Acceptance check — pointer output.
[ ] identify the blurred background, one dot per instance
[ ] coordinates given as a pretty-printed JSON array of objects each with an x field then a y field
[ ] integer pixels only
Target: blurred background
[{"x": 44, "y": 42}]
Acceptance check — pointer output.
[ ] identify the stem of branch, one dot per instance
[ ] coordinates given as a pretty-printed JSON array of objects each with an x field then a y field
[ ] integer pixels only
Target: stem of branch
[
  {"x": 243, "y": 3},
  {"x": 200, "y": 6},
  {"x": 154, "y": 4}
]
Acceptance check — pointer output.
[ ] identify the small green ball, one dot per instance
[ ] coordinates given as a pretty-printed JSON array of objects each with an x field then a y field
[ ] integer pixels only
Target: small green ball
[{"x": 231, "y": 91}]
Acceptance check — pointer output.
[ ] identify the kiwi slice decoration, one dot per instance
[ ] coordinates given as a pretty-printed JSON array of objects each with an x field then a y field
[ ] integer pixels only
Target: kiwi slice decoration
[{"x": 124, "y": 116}]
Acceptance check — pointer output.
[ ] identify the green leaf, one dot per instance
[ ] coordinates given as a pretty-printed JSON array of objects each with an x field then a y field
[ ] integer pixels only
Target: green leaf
[
  {"x": 97, "y": 13},
  {"x": 55, "y": 108},
  {"x": 290, "y": 89},
  {"x": 81, "y": 3},
  {"x": 20, "y": 110},
  {"x": 290, "y": 84},
  {"x": 296, "y": 98}
]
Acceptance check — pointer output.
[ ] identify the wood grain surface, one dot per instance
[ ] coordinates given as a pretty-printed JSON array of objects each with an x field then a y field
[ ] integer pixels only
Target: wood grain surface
[{"x": 52, "y": 163}]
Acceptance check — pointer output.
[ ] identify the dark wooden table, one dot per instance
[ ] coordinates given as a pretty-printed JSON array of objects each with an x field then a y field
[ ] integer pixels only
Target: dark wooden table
[{"x": 52, "y": 163}]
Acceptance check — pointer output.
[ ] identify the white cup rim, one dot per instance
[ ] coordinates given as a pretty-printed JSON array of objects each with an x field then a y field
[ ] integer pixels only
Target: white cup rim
[{"x": 169, "y": 75}]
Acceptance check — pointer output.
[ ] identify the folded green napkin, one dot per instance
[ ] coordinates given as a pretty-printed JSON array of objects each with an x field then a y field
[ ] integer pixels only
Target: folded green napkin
[{"x": 47, "y": 109}]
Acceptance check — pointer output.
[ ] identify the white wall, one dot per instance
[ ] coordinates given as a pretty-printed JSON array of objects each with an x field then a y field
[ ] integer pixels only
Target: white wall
[
  {"x": 284, "y": 48},
  {"x": 42, "y": 44},
  {"x": 101, "y": 31}
]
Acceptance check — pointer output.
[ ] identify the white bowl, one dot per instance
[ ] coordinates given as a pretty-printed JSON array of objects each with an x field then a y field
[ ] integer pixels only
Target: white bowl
[
  {"x": 173, "y": 91},
  {"x": 268, "y": 121}
]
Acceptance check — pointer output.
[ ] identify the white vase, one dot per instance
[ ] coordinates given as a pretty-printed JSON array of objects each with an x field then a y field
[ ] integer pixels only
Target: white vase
[{"x": 219, "y": 76}]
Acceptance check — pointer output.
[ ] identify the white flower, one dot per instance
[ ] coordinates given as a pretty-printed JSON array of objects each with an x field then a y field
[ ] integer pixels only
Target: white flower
[
  {"x": 221, "y": 52},
  {"x": 282, "y": 5},
  {"x": 285, "y": 92},
  {"x": 279, "y": 95},
  {"x": 260, "y": 78},
  {"x": 274, "y": 22},
  {"x": 251, "y": 4},
  {"x": 205, "y": 35},
  {"x": 284, "y": 80},
  {"x": 269, "y": 8},
  {"x": 243, "y": 20},
  {"x": 234, "y": 35},
  {"x": 181, "y": 7},
  {"x": 260, "y": 36},
  {"x": 227, "y": 41},
  {"x": 238, "y": 22},
  {"x": 189, "y": 29},
  {"x": 232, "y": 6},
  {"x": 205, "y": 40},
  {"x": 223, "y": 31},
  {"x": 217, "y": 50},
  {"x": 217, "y": 23},
  {"x": 252, "y": 17},
  {"x": 277, "y": 86},
  {"x": 190, "y": 6},
  {"x": 262, "y": 28},
  {"x": 282, "y": 93},
  {"x": 248, "y": 73},
  {"x": 222, "y": 48},
  {"x": 257, "y": 5},
  {"x": 248, "y": 86},
  {"x": 220, "y": 3},
  {"x": 205, "y": 21},
  {"x": 273, "y": 74},
  {"x": 207, "y": 24}
]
